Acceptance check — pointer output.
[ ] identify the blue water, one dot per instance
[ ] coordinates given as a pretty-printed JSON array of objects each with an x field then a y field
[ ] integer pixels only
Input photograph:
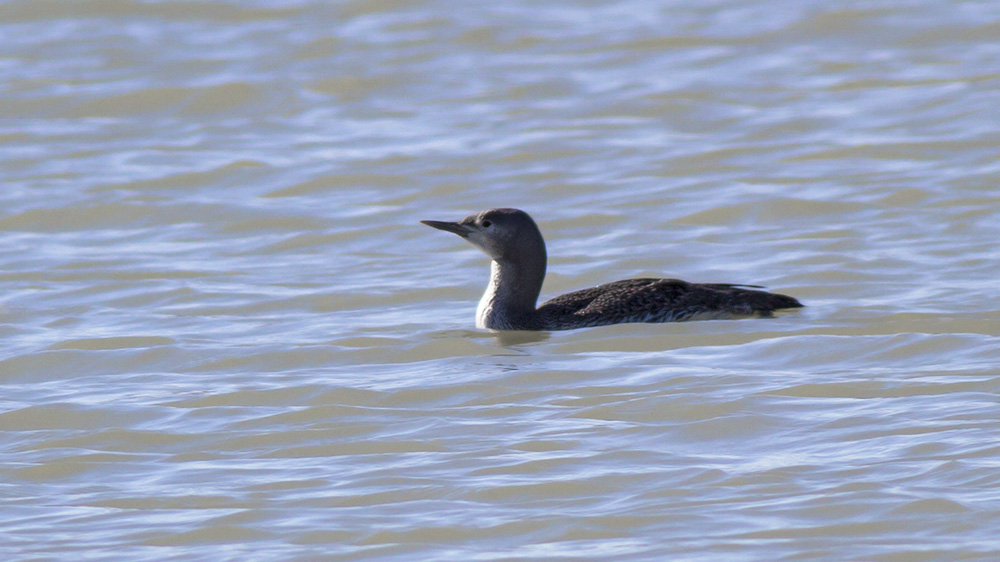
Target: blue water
[{"x": 227, "y": 337}]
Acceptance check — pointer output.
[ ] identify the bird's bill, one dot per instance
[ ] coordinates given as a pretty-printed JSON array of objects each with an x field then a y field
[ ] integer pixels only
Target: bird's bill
[{"x": 454, "y": 227}]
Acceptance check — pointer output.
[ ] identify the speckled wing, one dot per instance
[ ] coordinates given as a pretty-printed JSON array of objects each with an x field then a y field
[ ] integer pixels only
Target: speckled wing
[{"x": 657, "y": 300}]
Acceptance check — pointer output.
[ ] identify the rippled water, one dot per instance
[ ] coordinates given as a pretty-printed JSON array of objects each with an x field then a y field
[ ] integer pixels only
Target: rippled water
[{"x": 226, "y": 336}]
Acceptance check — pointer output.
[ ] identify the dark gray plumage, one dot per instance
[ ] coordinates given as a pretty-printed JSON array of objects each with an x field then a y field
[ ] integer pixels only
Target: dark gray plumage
[{"x": 512, "y": 240}]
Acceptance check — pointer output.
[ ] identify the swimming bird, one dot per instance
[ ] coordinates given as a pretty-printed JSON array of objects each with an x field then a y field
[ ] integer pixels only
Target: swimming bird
[{"x": 513, "y": 242}]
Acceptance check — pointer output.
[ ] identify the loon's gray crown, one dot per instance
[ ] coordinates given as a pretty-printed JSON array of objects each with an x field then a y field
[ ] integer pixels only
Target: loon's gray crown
[{"x": 502, "y": 234}]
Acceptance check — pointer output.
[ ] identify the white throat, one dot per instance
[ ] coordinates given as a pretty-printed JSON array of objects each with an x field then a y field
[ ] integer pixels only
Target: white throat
[{"x": 484, "y": 312}]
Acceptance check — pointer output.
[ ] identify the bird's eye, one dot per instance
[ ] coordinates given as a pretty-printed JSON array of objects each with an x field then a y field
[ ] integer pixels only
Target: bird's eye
[{"x": 486, "y": 224}]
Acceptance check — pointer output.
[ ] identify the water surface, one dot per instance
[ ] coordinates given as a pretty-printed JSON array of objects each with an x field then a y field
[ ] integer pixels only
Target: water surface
[{"x": 227, "y": 337}]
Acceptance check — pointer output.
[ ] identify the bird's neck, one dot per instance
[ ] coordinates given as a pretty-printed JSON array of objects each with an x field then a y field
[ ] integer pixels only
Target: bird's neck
[{"x": 509, "y": 300}]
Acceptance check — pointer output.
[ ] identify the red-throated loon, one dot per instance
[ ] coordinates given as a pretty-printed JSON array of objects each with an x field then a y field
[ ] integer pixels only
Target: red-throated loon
[{"x": 512, "y": 240}]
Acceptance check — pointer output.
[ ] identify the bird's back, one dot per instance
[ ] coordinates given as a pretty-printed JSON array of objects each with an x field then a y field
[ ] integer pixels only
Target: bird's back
[{"x": 656, "y": 300}]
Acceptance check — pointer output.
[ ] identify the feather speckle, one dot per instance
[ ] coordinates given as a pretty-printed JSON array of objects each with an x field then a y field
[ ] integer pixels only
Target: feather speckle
[{"x": 656, "y": 300}]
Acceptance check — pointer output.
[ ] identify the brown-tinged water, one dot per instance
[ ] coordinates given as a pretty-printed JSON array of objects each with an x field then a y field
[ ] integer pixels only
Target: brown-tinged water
[{"x": 225, "y": 336}]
